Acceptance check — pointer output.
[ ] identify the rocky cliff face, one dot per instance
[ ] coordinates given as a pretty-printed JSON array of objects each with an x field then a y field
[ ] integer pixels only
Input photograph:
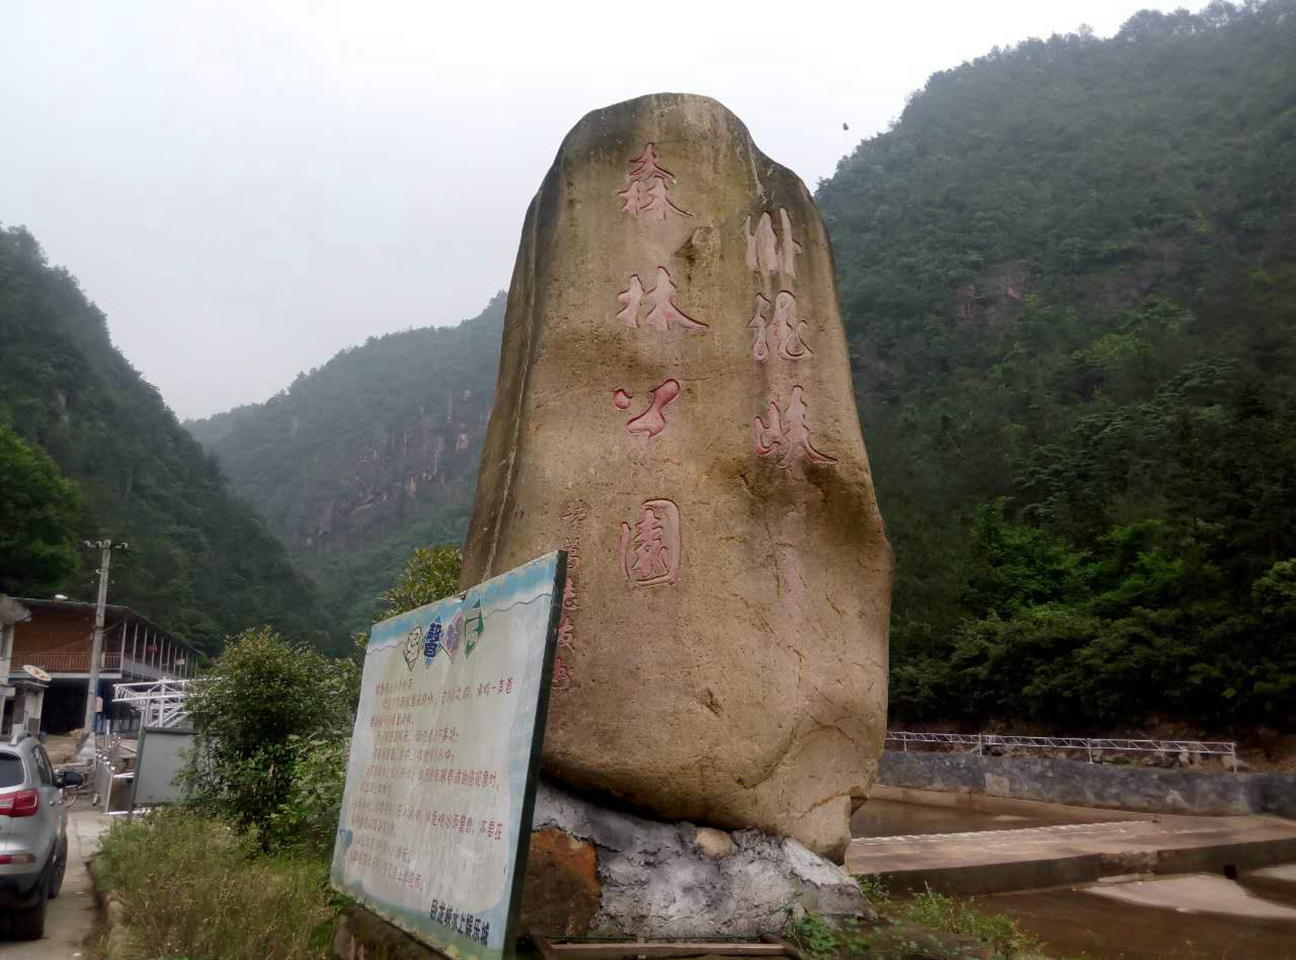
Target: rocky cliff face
[
  {"x": 369, "y": 456},
  {"x": 400, "y": 465}
]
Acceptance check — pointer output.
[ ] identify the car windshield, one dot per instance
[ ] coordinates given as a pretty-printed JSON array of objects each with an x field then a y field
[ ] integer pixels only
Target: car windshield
[{"x": 11, "y": 770}]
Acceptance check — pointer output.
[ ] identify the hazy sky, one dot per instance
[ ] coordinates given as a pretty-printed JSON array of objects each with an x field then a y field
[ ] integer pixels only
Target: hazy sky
[{"x": 247, "y": 187}]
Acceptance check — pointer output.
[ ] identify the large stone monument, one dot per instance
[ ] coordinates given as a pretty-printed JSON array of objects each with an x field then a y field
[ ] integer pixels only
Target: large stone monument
[{"x": 675, "y": 409}]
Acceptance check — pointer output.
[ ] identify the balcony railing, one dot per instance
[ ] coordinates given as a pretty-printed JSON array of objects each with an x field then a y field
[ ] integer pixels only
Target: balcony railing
[
  {"x": 66, "y": 662},
  {"x": 151, "y": 671},
  {"x": 79, "y": 662}
]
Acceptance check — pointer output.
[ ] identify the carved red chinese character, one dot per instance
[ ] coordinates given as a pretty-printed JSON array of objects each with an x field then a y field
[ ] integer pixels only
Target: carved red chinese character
[
  {"x": 649, "y": 187},
  {"x": 760, "y": 323},
  {"x": 653, "y": 420},
  {"x": 787, "y": 433},
  {"x": 767, "y": 253},
  {"x": 630, "y": 300},
  {"x": 566, "y": 633},
  {"x": 661, "y": 310},
  {"x": 650, "y": 549},
  {"x": 787, "y": 331}
]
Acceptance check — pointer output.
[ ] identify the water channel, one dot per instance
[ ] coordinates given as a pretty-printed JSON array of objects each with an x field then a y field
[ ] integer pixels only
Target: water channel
[{"x": 1250, "y": 917}]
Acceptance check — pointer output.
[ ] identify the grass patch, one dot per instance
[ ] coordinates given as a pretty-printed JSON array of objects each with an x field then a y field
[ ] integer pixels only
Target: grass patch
[
  {"x": 955, "y": 915},
  {"x": 193, "y": 887},
  {"x": 887, "y": 940},
  {"x": 929, "y": 925}
]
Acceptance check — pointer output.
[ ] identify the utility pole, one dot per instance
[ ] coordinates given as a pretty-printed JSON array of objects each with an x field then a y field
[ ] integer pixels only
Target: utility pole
[{"x": 96, "y": 651}]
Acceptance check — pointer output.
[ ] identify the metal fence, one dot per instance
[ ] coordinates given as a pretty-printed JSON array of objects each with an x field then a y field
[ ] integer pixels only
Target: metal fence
[
  {"x": 116, "y": 722},
  {"x": 159, "y": 703},
  {"x": 1092, "y": 746}
]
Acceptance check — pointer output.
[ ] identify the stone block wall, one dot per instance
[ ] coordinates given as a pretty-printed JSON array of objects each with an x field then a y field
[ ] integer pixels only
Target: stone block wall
[{"x": 1094, "y": 785}]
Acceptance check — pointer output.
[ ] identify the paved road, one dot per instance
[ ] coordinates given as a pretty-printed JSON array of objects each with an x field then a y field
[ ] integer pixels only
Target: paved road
[{"x": 72, "y": 915}]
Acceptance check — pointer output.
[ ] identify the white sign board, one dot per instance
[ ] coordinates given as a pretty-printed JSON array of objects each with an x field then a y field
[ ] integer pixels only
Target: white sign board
[
  {"x": 161, "y": 754},
  {"x": 436, "y": 816}
]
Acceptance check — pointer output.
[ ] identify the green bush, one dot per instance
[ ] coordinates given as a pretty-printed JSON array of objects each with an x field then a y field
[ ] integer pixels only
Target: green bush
[
  {"x": 274, "y": 722},
  {"x": 929, "y": 927},
  {"x": 308, "y": 818}
]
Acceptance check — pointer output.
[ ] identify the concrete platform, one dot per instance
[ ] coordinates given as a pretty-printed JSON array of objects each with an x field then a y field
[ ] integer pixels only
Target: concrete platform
[
  {"x": 998, "y": 861},
  {"x": 1286, "y": 873},
  {"x": 1195, "y": 893}
]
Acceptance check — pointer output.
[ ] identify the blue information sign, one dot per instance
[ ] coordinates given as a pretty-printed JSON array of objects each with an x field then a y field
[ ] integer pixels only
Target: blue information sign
[{"x": 440, "y": 785}]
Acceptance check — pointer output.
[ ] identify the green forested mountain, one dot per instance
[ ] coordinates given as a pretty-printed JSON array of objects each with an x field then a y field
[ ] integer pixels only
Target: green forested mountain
[
  {"x": 201, "y": 563},
  {"x": 1068, "y": 273},
  {"x": 368, "y": 457},
  {"x": 1069, "y": 278}
]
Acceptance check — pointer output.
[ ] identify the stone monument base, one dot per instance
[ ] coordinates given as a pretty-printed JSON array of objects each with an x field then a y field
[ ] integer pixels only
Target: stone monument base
[
  {"x": 596, "y": 872},
  {"x": 592, "y": 871}
]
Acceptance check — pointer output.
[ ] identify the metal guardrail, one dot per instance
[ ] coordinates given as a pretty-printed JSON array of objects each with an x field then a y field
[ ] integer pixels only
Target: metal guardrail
[{"x": 1091, "y": 745}]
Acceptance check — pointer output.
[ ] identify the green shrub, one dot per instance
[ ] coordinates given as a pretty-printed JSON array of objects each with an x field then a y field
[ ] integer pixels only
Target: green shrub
[
  {"x": 876, "y": 892},
  {"x": 308, "y": 817},
  {"x": 429, "y": 575},
  {"x": 264, "y": 701},
  {"x": 814, "y": 936}
]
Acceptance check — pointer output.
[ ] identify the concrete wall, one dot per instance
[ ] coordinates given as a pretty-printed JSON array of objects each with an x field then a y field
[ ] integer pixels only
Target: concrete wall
[{"x": 1093, "y": 784}]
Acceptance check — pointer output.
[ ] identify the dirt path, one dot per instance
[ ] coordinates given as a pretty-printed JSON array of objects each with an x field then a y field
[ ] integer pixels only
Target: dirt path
[{"x": 72, "y": 915}]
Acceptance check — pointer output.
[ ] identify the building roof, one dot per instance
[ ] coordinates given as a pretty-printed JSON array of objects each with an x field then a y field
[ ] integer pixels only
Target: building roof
[{"x": 110, "y": 610}]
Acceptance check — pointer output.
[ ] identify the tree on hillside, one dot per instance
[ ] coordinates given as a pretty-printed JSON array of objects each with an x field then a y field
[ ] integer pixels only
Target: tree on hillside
[
  {"x": 201, "y": 562},
  {"x": 39, "y": 512},
  {"x": 1068, "y": 279}
]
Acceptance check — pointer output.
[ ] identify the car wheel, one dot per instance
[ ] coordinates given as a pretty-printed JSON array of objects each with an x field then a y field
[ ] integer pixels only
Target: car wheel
[
  {"x": 30, "y": 924},
  {"x": 60, "y": 868}
]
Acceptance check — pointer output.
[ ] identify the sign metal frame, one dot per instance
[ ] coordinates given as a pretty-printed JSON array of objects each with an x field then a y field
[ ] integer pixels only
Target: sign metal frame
[{"x": 523, "y": 840}]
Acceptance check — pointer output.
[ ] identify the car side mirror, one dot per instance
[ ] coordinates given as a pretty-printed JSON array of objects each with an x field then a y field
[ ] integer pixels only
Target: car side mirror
[{"x": 68, "y": 778}]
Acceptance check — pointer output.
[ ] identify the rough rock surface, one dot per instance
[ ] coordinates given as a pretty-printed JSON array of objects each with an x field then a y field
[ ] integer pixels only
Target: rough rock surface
[
  {"x": 674, "y": 408},
  {"x": 562, "y": 886},
  {"x": 658, "y": 880}
]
